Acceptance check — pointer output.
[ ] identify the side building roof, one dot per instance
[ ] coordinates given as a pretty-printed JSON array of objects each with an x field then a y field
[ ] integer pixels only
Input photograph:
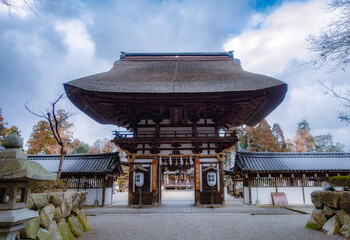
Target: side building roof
[
  {"x": 82, "y": 164},
  {"x": 292, "y": 162}
]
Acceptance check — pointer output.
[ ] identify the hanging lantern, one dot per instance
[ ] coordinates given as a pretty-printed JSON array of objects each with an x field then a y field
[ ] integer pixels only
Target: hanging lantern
[
  {"x": 181, "y": 161},
  {"x": 170, "y": 162},
  {"x": 176, "y": 163},
  {"x": 191, "y": 161}
]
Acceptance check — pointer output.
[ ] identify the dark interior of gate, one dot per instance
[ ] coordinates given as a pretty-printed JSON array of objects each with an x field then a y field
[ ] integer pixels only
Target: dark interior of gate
[{"x": 180, "y": 111}]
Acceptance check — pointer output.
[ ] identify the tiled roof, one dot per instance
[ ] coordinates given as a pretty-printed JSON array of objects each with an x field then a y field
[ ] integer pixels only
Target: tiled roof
[
  {"x": 292, "y": 162},
  {"x": 81, "y": 163}
]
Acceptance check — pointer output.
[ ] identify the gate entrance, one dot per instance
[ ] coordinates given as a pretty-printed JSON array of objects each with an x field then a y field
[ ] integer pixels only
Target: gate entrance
[
  {"x": 204, "y": 176},
  {"x": 178, "y": 108}
]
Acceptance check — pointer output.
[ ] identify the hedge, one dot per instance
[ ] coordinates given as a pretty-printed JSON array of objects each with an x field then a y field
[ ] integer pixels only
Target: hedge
[{"x": 340, "y": 181}]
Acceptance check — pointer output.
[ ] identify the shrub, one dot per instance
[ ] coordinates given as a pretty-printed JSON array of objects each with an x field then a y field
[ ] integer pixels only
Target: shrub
[{"x": 341, "y": 181}]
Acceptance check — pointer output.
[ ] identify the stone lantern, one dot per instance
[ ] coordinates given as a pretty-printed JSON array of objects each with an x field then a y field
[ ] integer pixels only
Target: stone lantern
[{"x": 15, "y": 173}]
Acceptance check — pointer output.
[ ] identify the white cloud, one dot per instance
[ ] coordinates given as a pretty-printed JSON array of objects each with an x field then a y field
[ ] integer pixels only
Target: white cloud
[
  {"x": 273, "y": 45},
  {"x": 272, "y": 41}
]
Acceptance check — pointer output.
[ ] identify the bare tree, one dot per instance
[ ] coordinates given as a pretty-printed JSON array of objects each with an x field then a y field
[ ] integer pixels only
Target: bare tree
[
  {"x": 343, "y": 99},
  {"x": 50, "y": 114},
  {"x": 332, "y": 46}
]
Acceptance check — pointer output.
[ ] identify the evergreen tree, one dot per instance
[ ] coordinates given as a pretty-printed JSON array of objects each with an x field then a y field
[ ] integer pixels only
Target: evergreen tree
[{"x": 304, "y": 142}]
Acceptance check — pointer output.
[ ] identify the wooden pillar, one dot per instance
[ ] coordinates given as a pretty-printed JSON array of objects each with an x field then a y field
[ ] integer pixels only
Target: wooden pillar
[
  {"x": 131, "y": 167},
  {"x": 250, "y": 189},
  {"x": 157, "y": 128},
  {"x": 234, "y": 185},
  {"x": 302, "y": 186},
  {"x": 276, "y": 184},
  {"x": 222, "y": 182},
  {"x": 104, "y": 191}
]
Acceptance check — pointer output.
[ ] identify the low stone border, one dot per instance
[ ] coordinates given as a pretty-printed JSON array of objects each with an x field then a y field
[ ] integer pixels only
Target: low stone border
[
  {"x": 60, "y": 216},
  {"x": 332, "y": 212}
]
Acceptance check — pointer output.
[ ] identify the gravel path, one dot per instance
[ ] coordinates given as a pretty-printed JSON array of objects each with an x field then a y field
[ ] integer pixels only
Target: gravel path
[
  {"x": 201, "y": 226},
  {"x": 177, "y": 218}
]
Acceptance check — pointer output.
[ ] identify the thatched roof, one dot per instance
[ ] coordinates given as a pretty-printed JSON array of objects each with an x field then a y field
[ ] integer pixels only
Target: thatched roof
[
  {"x": 175, "y": 74},
  {"x": 140, "y": 85}
]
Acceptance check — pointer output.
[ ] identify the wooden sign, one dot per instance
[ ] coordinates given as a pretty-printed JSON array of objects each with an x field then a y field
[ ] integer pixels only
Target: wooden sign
[
  {"x": 154, "y": 175},
  {"x": 198, "y": 187}
]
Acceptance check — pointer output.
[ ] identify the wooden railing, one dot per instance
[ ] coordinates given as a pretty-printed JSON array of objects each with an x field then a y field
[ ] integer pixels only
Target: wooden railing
[
  {"x": 84, "y": 183},
  {"x": 174, "y": 134},
  {"x": 287, "y": 181}
]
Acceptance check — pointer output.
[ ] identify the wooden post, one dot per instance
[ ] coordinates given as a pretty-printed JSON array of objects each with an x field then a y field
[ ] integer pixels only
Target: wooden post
[
  {"x": 276, "y": 184},
  {"x": 250, "y": 189},
  {"x": 104, "y": 191},
  {"x": 222, "y": 187},
  {"x": 131, "y": 167},
  {"x": 302, "y": 186}
]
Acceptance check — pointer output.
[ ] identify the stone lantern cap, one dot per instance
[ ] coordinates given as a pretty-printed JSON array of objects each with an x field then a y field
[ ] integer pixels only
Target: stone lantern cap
[{"x": 15, "y": 166}]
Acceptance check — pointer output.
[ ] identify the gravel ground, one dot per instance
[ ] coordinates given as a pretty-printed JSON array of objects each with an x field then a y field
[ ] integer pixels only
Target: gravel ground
[
  {"x": 177, "y": 218},
  {"x": 201, "y": 226}
]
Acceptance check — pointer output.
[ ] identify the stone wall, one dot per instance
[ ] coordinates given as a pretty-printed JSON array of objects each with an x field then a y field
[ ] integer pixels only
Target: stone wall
[
  {"x": 60, "y": 216},
  {"x": 332, "y": 212}
]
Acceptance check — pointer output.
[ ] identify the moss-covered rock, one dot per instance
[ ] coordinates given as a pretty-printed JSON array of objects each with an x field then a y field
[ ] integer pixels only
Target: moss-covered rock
[
  {"x": 54, "y": 232},
  {"x": 329, "y": 212},
  {"x": 40, "y": 200},
  {"x": 344, "y": 200},
  {"x": 75, "y": 200},
  {"x": 82, "y": 201},
  {"x": 343, "y": 216},
  {"x": 46, "y": 216},
  {"x": 43, "y": 234},
  {"x": 65, "y": 231},
  {"x": 329, "y": 198},
  {"x": 317, "y": 219},
  {"x": 31, "y": 228},
  {"x": 56, "y": 198},
  {"x": 29, "y": 203},
  {"x": 57, "y": 214},
  {"x": 332, "y": 226},
  {"x": 67, "y": 202},
  {"x": 75, "y": 226},
  {"x": 316, "y": 199},
  {"x": 345, "y": 230},
  {"x": 83, "y": 219}
]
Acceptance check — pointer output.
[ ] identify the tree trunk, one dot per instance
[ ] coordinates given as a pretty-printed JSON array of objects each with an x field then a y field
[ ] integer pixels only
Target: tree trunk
[{"x": 60, "y": 167}]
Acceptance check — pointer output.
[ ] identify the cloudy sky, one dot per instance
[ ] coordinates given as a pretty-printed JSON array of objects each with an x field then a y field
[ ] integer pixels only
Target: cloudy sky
[{"x": 65, "y": 40}]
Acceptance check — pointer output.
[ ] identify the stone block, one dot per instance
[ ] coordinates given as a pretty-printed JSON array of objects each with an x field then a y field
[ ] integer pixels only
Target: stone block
[
  {"x": 40, "y": 200},
  {"x": 43, "y": 234},
  {"x": 75, "y": 226},
  {"x": 31, "y": 228},
  {"x": 56, "y": 198},
  {"x": 332, "y": 226},
  {"x": 344, "y": 200},
  {"x": 65, "y": 231},
  {"x": 29, "y": 203},
  {"x": 75, "y": 200},
  {"x": 329, "y": 212},
  {"x": 316, "y": 199},
  {"x": 54, "y": 231},
  {"x": 83, "y": 219},
  {"x": 57, "y": 214},
  {"x": 317, "y": 219},
  {"x": 330, "y": 198},
  {"x": 46, "y": 216},
  {"x": 67, "y": 203},
  {"x": 343, "y": 216},
  {"x": 345, "y": 230},
  {"x": 83, "y": 196}
]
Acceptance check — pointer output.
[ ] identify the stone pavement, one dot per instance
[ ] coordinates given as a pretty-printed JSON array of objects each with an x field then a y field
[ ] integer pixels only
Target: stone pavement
[{"x": 177, "y": 218}]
